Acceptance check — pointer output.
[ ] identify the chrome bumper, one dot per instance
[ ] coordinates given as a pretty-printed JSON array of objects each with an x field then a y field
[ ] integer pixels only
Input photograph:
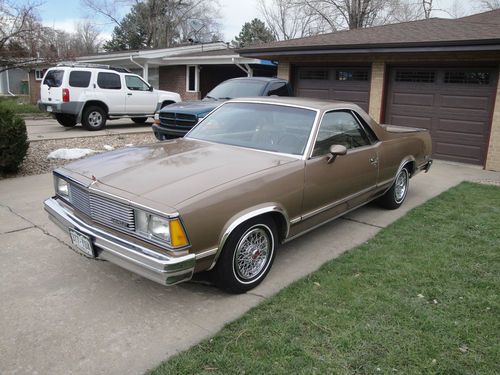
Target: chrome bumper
[{"x": 166, "y": 270}]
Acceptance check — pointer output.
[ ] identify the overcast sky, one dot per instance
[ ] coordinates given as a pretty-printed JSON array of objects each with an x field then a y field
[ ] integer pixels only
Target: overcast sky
[{"x": 64, "y": 14}]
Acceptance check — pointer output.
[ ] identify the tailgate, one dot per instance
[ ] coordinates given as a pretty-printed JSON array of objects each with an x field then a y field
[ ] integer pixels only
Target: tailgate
[{"x": 51, "y": 87}]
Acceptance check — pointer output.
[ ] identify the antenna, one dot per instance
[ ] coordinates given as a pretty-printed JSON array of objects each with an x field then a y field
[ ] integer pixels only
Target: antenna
[{"x": 196, "y": 25}]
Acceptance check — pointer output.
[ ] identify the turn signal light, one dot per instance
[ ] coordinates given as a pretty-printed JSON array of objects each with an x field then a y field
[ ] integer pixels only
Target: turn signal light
[
  {"x": 65, "y": 95},
  {"x": 178, "y": 237}
]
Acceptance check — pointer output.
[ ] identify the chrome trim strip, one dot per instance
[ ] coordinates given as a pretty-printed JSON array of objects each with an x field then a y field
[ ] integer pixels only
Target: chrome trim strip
[
  {"x": 206, "y": 253},
  {"x": 241, "y": 219},
  {"x": 295, "y": 220}
]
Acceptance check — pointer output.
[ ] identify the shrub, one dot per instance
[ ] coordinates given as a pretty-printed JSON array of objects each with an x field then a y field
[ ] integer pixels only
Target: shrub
[{"x": 13, "y": 140}]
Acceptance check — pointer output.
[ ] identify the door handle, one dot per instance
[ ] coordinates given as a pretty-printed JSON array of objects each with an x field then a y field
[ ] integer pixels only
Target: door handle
[
  {"x": 129, "y": 94},
  {"x": 374, "y": 161}
]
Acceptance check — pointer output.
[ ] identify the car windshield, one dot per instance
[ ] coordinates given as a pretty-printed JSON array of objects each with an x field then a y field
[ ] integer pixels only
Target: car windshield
[
  {"x": 54, "y": 78},
  {"x": 237, "y": 89},
  {"x": 268, "y": 127}
]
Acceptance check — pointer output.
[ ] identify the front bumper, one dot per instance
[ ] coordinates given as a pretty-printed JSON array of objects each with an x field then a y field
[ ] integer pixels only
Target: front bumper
[
  {"x": 166, "y": 270},
  {"x": 162, "y": 133}
]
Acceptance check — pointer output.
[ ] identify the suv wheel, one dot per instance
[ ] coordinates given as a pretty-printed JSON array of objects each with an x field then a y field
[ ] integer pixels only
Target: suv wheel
[
  {"x": 65, "y": 120},
  {"x": 94, "y": 118},
  {"x": 139, "y": 120}
]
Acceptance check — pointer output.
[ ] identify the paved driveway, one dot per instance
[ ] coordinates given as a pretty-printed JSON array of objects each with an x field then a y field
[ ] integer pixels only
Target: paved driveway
[
  {"x": 44, "y": 128},
  {"x": 63, "y": 314}
]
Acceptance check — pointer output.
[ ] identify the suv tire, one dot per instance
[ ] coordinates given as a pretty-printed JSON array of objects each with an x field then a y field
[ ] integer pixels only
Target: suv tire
[
  {"x": 94, "y": 118},
  {"x": 65, "y": 120},
  {"x": 139, "y": 120}
]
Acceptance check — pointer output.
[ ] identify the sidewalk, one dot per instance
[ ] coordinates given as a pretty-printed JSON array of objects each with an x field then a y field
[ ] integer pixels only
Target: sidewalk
[{"x": 62, "y": 313}]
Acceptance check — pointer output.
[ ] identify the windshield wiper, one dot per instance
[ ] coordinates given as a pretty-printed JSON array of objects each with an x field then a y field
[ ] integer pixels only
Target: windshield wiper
[
  {"x": 225, "y": 98},
  {"x": 210, "y": 97}
]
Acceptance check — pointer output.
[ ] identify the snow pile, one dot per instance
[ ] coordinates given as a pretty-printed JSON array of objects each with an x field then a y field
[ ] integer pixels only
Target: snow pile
[
  {"x": 108, "y": 147},
  {"x": 70, "y": 153}
]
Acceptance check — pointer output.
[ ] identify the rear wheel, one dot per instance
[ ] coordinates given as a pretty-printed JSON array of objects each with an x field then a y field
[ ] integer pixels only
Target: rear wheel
[
  {"x": 396, "y": 195},
  {"x": 65, "y": 120},
  {"x": 247, "y": 256},
  {"x": 139, "y": 120},
  {"x": 94, "y": 118}
]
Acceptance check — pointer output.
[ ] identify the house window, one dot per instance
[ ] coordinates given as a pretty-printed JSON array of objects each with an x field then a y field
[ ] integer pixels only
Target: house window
[
  {"x": 192, "y": 78},
  {"x": 351, "y": 75},
  {"x": 313, "y": 74},
  {"x": 38, "y": 74},
  {"x": 415, "y": 76},
  {"x": 476, "y": 78}
]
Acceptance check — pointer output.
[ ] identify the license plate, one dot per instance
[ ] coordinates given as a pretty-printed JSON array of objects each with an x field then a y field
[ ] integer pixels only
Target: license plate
[
  {"x": 49, "y": 108},
  {"x": 82, "y": 243}
]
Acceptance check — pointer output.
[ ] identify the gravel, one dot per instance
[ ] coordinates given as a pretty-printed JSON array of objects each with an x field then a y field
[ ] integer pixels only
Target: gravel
[{"x": 36, "y": 161}]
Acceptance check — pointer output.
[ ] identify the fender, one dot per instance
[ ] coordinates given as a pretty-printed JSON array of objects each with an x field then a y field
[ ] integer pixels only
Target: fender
[
  {"x": 246, "y": 215},
  {"x": 407, "y": 159}
]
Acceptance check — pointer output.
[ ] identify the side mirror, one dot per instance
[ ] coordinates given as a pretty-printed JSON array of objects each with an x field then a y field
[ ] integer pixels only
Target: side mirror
[
  {"x": 336, "y": 150},
  {"x": 150, "y": 88}
]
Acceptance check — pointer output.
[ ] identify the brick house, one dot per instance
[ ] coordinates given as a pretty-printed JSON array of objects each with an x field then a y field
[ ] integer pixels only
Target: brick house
[{"x": 438, "y": 74}]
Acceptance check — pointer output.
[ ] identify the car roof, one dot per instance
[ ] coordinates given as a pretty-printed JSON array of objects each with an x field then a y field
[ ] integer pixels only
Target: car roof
[
  {"x": 263, "y": 79},
  {"x": 319, "y": 104}
]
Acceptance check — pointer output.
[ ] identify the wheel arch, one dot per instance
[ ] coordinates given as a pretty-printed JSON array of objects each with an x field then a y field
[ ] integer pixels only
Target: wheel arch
[
  {"x": 273, "y": 210},
  {"x": 96, "y": 103}
]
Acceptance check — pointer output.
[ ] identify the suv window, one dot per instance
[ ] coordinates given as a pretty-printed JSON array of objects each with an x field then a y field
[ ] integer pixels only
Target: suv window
[
  {"x": 78, "y": 78},
  {"x": 339, "y": 128},
  {"x": 136, "y": 84},
  {"x": 54, "y": 78},
  {"x": 109, "y": 81},
  {"x": 279, "y": 88}
]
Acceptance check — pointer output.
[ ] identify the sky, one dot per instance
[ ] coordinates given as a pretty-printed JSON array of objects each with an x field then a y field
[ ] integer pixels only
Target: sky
[{"x": 65, "y": 14}]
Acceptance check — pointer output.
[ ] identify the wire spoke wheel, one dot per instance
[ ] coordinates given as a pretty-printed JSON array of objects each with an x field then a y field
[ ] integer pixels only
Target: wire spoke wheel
[
  {"x": 401, "y": 186},
  {"x": 252, "y": 253}
]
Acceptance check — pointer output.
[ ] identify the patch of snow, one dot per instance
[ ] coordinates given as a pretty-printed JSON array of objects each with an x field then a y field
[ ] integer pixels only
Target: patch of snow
[
  {"x": 129, "y": 145},
  {"x": 108, "y": 147},
  {"x": 70, "y": 153}
]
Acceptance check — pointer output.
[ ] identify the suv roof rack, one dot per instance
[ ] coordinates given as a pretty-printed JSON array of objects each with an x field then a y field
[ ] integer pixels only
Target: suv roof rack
[{"x": 97, "y": 66}]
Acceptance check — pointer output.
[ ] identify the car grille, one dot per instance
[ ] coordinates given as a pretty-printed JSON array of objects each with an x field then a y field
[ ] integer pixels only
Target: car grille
[
  {"x": 172, "y": 119},
  {"x": 102, "y": 210}
]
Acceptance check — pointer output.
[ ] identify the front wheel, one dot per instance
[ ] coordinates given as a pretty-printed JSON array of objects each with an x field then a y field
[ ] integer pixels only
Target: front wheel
[
  {"x": 68, "y": 121},
  {"x": 247, "y": 256},
  {"x": 395, "y": 196},
  {"x": 139, "y": 120},
  {"x": 94, "y": 118}
]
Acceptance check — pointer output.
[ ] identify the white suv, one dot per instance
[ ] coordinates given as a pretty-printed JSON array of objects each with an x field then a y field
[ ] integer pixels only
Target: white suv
[{"x": 91, "y": 94}]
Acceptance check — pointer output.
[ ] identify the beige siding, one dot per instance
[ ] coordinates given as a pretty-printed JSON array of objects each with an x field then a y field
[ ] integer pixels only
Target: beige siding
[
  {"x": 377, "y": 90},
  {"x": 493, "y": 158},
  {"x": 284, "y": 70}
]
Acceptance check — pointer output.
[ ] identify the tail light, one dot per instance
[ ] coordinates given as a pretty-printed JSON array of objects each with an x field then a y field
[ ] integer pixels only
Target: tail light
[{"x": 65, "y": 95}]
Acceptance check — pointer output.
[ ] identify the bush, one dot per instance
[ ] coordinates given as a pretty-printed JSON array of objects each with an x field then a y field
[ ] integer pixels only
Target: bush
[{"x": 13, "y": 140}]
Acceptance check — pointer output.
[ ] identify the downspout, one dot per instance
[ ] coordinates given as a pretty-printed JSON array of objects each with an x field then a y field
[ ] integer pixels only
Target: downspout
[
  {"x": 144, "y": 68},
  {"x": 8, "y": 84}
]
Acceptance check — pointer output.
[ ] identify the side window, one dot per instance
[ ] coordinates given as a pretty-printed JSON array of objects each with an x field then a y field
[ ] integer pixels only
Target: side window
[
  {"x": 109, "y": 81},
  {"x": 136, "y": 84},
  {"x": 78, "y": 78},
  {"x": 279, "y": 89},
  {"x": 339, "y": 128}
]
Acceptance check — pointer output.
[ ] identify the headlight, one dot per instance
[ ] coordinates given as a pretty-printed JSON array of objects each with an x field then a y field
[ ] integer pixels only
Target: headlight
[
  {"x": 156, "y": 119},
  {"x": 168, "y": 231},
  {"x": 61, "y": 187}
]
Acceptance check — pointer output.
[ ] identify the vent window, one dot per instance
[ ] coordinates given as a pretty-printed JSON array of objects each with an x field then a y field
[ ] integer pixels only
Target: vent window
[
  {"x": 475, "y": 78},
  {"x": 415, "y": 76}
]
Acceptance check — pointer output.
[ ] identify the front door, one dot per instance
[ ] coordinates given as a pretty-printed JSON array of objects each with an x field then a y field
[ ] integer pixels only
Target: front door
[
  {"x": 332, "y": 188},
  {"x": 140, "y": 99}
]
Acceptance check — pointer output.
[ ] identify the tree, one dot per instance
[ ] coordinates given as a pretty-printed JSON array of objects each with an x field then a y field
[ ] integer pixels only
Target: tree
[
  {"x": 86, "y": 38},
  {"x": 490, "y": 4},
  {"x": 254, "y": 32}
]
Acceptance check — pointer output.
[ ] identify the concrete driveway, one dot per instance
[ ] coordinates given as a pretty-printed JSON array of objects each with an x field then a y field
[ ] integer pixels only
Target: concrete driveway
[
  {"x": 63, "y": 314},
  {"x": 44, "y": 128}
]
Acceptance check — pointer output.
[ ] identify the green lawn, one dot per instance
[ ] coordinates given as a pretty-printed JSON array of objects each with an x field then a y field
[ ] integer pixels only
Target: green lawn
[
  {"x": 421, "y": 297},
  {"x": 17, "y": 107}
]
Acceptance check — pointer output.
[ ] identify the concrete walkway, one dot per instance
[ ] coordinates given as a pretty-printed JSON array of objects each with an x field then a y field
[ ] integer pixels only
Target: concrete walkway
[
  {"x": 63, "y": 314},
  {"x": 45, "y": 128}
]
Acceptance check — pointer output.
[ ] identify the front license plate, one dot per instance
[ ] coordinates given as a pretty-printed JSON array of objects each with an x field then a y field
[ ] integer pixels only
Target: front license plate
[
  {"x": 49, "y": 108},
  {"x": 82, "y": 243}
]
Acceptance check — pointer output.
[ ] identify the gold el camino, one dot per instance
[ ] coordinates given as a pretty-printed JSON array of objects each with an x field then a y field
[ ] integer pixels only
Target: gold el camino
[{"x": 254, "y": 174}]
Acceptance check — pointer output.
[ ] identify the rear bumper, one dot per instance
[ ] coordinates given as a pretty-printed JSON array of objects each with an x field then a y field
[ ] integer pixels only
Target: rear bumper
[
  {"x": 70, "y": 108},
  {"x": 166, "y": 270}
]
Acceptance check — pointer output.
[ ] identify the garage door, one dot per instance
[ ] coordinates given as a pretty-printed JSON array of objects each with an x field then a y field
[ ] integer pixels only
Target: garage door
[
  {"x": 455, "y": 104},
  {"x": 346, "y": 84}
]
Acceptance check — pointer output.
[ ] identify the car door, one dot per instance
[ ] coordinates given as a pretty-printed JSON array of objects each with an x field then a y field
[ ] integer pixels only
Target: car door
[
  {"x": 110, "y": 85},
  {"x": 349, "y": 180},
  {"x": 140, "y": 98}
]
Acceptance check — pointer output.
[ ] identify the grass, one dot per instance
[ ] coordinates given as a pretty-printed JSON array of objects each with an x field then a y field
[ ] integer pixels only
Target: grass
[
  {"x": 421, "y": 297},
  {"x": 19, "y": 108}
]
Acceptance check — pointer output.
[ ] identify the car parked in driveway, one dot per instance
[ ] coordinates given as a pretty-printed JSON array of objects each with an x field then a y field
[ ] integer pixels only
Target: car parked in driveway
[
  {"x": 92, "y": 94},
  {"x": 251, "y": 175},
  {"x": 177, "y": 119}
]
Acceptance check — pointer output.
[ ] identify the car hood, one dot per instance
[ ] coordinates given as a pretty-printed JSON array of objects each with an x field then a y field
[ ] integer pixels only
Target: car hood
[
  {"x": 173, "y": 171},
  {"x": 193, "y": 108}
]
